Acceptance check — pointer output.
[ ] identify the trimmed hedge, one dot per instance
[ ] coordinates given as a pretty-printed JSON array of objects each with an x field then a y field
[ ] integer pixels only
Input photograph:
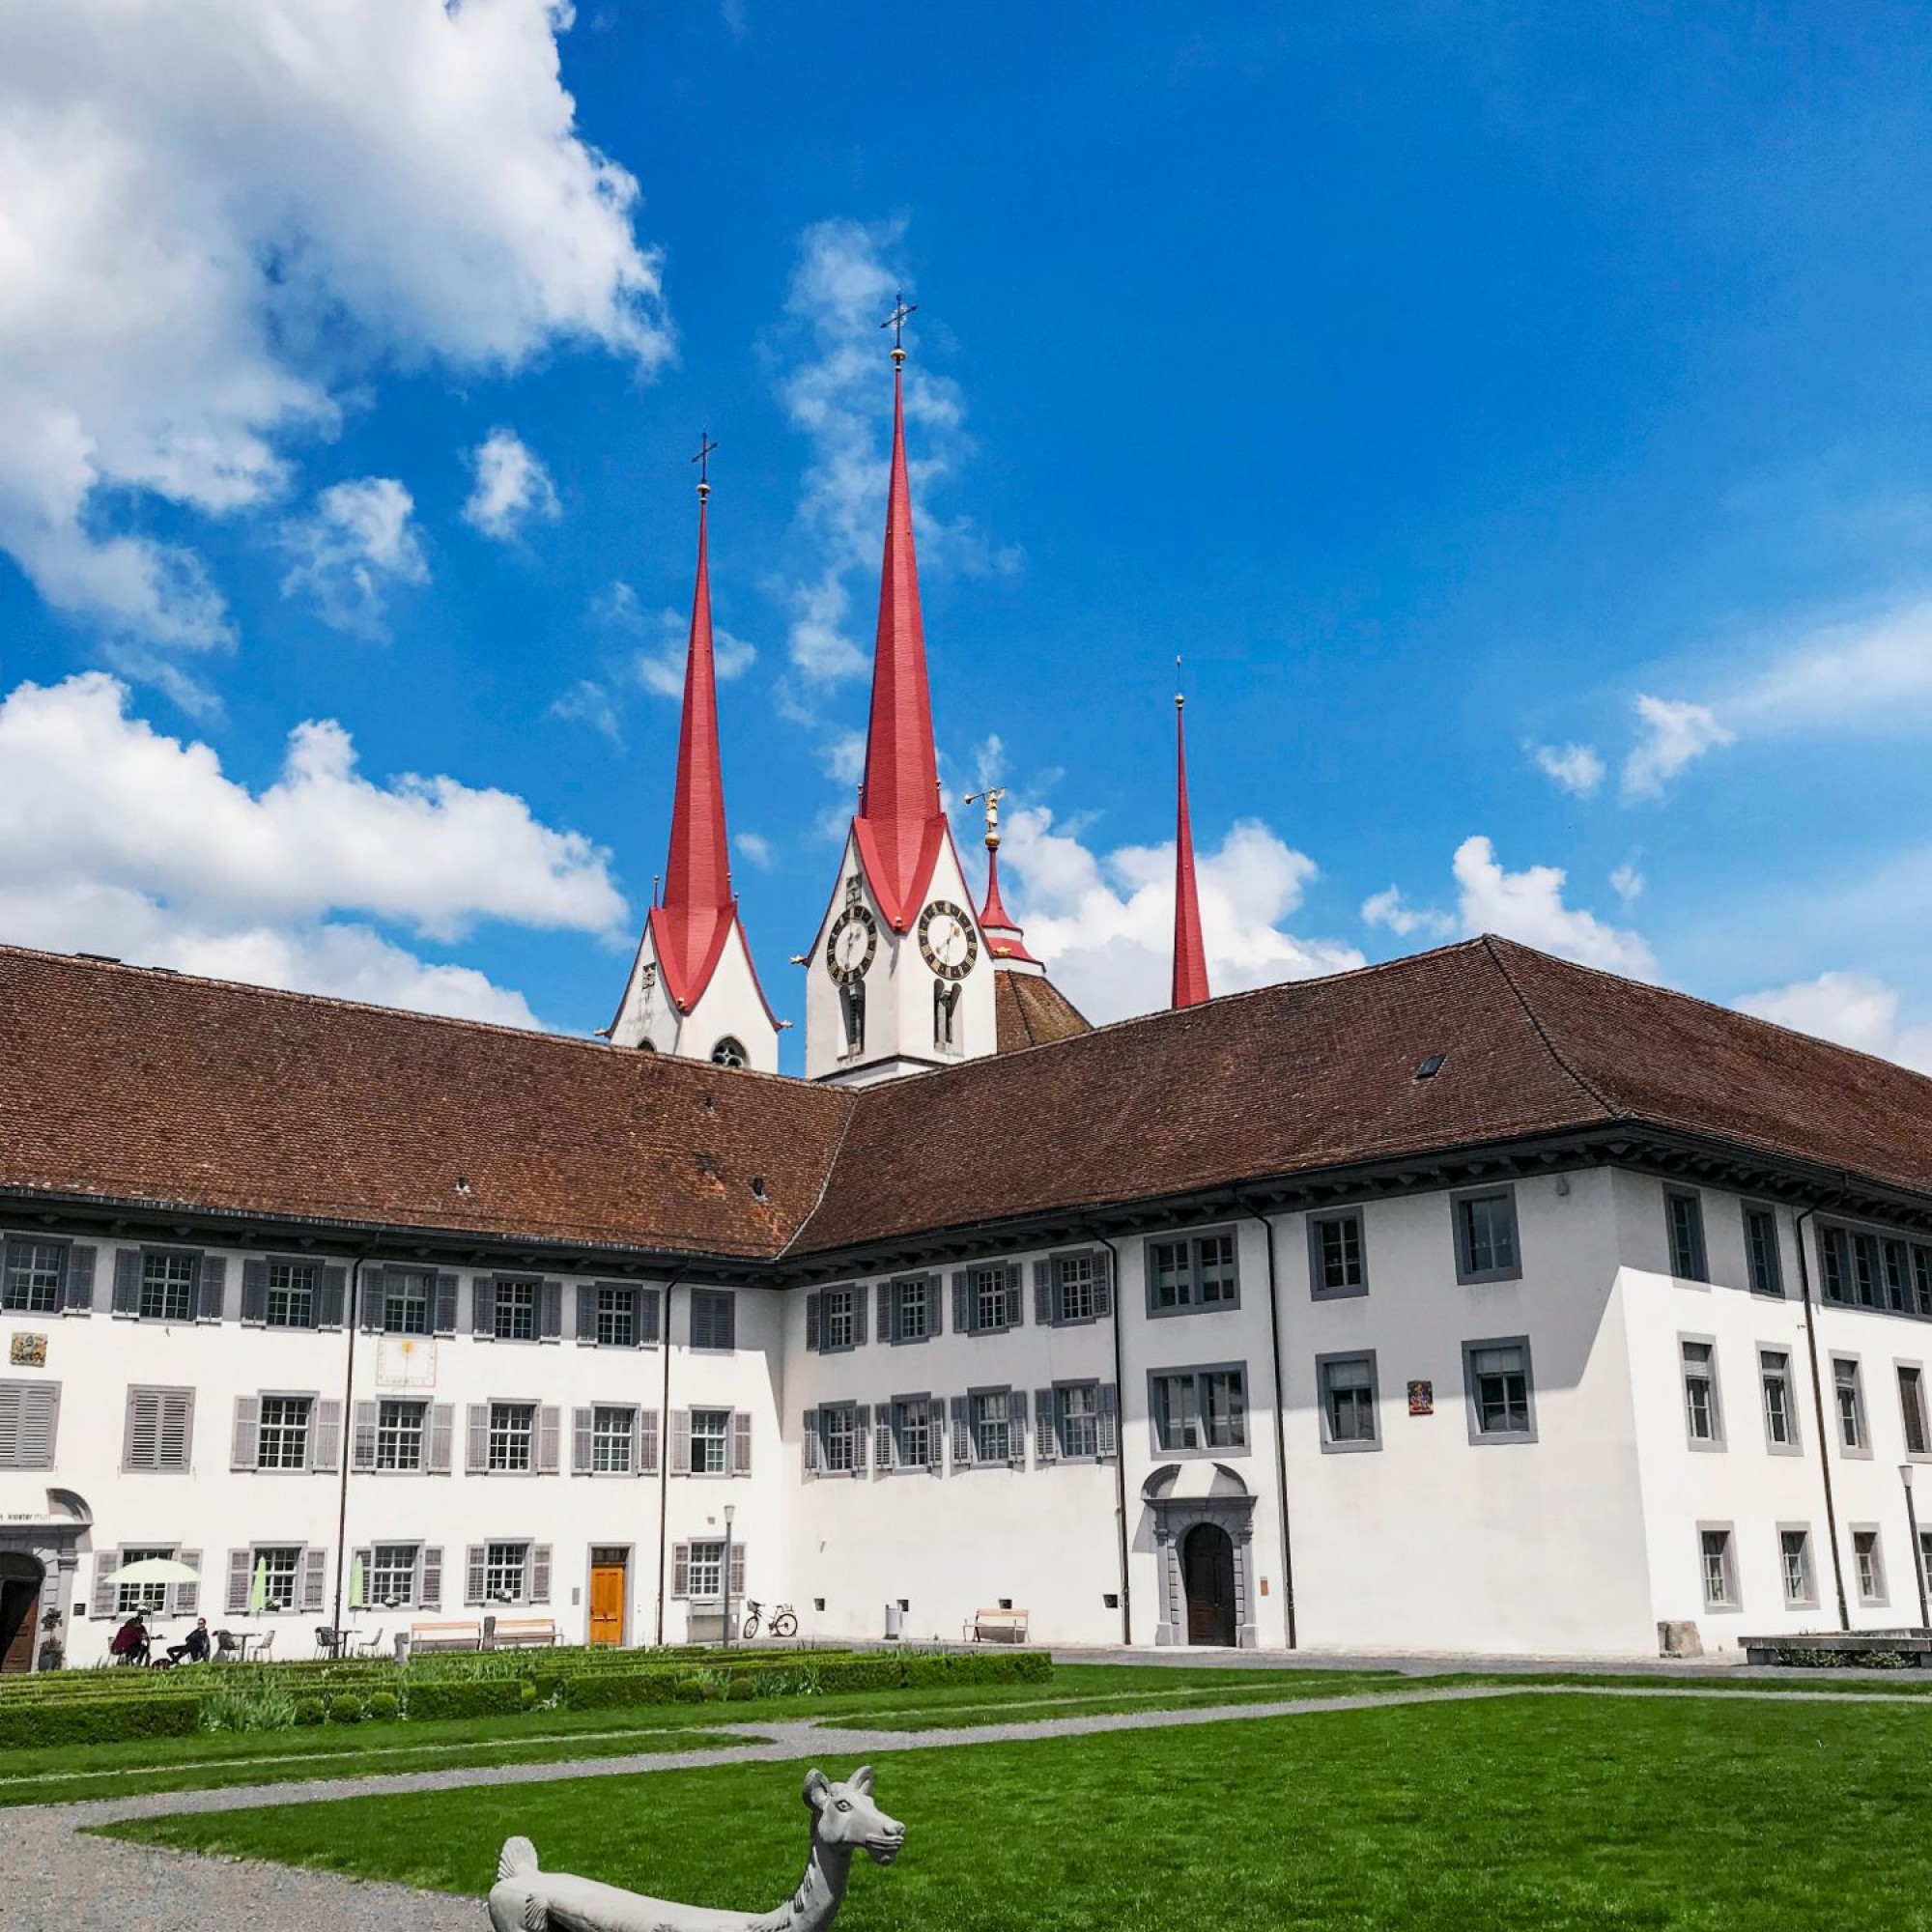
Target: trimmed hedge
[
  {"x": 482, "y": 1697},
  {"x": 99, "y": 1720}
]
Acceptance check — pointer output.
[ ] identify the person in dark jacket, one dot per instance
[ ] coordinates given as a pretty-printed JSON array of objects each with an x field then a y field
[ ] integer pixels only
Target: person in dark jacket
[{"x": 197, "y": 1647}]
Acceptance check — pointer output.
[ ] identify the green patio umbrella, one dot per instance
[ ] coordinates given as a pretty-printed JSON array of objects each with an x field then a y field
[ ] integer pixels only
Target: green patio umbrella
[
  {"x": 258, "y": 1592},
  {"x": 355, "y": 1584}
]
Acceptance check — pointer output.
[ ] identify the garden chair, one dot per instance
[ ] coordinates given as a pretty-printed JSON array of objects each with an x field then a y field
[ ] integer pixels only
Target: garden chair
[
  {"x": 230, "y": 1648},
  {"x": 367, "y": 1646},
  {"x": 328, "y": 1641},
  {"x": 259, "y": 1647}
]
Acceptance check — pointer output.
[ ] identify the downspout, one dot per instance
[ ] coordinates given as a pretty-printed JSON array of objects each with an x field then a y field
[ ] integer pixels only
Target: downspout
[
  {"x": 1120, "y": 1454},
  {"x": 1818, "y": 1409},
  {"x": 351, "y": 1320},
  {"x": 1280, "y": 1431},
  {"x": 663, "y": 1456}
]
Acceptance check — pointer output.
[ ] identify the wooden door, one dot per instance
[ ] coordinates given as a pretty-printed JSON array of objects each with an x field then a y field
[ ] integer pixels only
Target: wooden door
[
  {"x": 20, "y": 1580},
  {"x": 1208, "y": 1574},
  {"x": 607, "y": 1571}
]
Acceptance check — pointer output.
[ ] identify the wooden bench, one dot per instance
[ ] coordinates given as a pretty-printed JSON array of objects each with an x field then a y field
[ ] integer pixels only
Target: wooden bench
[
  {"x": 997, "y": 1627},
  {"x": 509, "y": 1632},
  {"x": 445, "y": 1636}
]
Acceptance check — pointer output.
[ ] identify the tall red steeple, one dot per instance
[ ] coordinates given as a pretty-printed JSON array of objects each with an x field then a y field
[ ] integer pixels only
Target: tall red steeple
[
  {"x": 1004, "y": 939},
  {"x": 1190, "y": 960},
  {"x": 900, "y": 825},
  {"x": 690, "y": 926}
]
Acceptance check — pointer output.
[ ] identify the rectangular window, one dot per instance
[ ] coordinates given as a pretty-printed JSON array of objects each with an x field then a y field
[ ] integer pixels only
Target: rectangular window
[
  {"x": 1834, "y": 1263},
  {"x": 505, "y": 1565},
  {"x": 1496, "y": 1376},
  {"x": 1077, "y": 1416},
  {"x": 710, "y": 1441},
  {"x": 1224, "y": 1410},
  {"x": 1685, "y": 1213},
  {"x": 1922, "y": 1279},
  {"x": 1200, "y": 1410},
  {"x": 837, "y": 1319},
  {"x": 1177, "y": 1415},
  {"x": 1911, "y": 1402},
  {"x": 714, "y": 1320},
  {"x": 1197, "y": 1272},
  {"x": 167, "y": 1287},
  {"x": 399, "y": 1434},
  {"x": 32, "y": 1276},
  {"x": 512, "y": 1435},
  {"x": 281, "y": 1440},
  {"x": 278, "y": 1567},
  {"x": 1720, "y": 1582},
  {"x": 159, "y": 1429},
  {"x": 1347, "y": 1385},
  {"x": 1486, "y": 1242},
  {"x": 1851, "y": 1405},
  {"x": 1897, "y": 1277},
  {"x": 612, "y": 1431},
  {"x": 1781, "y": 1418},
  {"x": 837, "y": 1437},
  {"x": 292, "y": 1287},
  {"x": 1794, "y": 1556},
  {"x": 616, "y": 1318},
  {"x": 153, "y": 1597},
  {"x": 914, "y": 1313},
  {"x": 991, "y": 1415},
  {"x": 707, "y": 1569},
  {"x": 1335, "y": 1264},
  {"x": 1870, "y": 1565},
  {"x": 1701, "y": 1415},
  {"x": 987, "y": 1286},
  {"x": 1866, "y": 1272},
  {"x": 1761, "y": 1255},
  {"x": 409, "y": 1296},
  {"x": 1075, "y": 1280},
  {"x": 515, "y": 1311},
  {"x": 391, "y": 1582},
  {"x": 912, "y": 1432}
]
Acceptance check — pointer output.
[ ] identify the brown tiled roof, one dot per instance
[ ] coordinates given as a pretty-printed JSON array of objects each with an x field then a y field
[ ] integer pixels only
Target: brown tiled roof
[
  {"x": 1031, "y": 1011},
  {"x": 144, "y": 1086}
]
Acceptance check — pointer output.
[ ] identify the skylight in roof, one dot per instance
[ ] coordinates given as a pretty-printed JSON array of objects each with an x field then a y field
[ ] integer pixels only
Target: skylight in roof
[{"x": 1431, "y": 1066}]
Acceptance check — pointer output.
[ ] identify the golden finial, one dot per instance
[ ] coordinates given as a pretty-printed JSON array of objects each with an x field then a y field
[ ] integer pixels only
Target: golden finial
[
  {"x": 896, "y": 322},
  {"x": 705, "y": 449},
  {"x": 992, "y": 795}
]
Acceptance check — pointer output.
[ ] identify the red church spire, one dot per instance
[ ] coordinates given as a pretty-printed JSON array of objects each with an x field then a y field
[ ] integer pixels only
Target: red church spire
[
  {"x": 900, "y": 825},
  {"x": 1004, "y": 939},
  {"x": 1190, "y": 960},
  {"x": 698, "y": 909}
]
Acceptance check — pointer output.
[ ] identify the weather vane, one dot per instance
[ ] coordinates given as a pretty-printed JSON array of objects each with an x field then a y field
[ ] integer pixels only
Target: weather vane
[
  {"x": 993, "y": 794},
  {"x": 705, "y": 449},
  {"x": 896, "y": 322}
]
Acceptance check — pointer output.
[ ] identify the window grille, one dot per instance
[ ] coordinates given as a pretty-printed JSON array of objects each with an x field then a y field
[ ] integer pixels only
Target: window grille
[
  {"x": 282, "y": 1439},
  {"x": 292, "y": 1288},
  {"x": 512, "y": 1431},
  {"x": 399, "y": 1434},
  {"x": 167, "y": 1287}
]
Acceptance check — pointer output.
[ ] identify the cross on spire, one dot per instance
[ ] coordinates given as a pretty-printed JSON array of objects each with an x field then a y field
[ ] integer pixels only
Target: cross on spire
[
  {"x": 903, "y": 311},
  {"x": 705, "y": 450}
]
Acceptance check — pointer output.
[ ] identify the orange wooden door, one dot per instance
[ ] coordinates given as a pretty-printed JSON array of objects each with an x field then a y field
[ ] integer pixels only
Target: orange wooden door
[{"x": 606, "y": 1602}]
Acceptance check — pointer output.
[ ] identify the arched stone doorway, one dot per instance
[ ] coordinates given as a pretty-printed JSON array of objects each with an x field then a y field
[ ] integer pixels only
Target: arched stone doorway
[
  {"x": 1208, "y": 1577},
  {"x": 1206, "y": 1582},
  {"x": 37, "y": 1558},
  {"x": 22, "y": 1578}
]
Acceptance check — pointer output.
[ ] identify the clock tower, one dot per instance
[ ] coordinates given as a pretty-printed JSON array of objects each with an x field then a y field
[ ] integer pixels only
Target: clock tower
[{"x": 900, "y": 979}]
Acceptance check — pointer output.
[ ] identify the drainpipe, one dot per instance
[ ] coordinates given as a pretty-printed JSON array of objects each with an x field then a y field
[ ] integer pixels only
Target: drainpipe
[
  {"x": 351, "y": 1320},
  {"x": 1280, "y": 1428},
  {"x": 1818, "y": 1409},
  {"x": 1119, "y": 1453},
  {"x": 663, "y": 1456}
]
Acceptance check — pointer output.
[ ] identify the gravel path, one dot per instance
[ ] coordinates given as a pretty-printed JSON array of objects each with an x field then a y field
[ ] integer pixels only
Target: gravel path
[{"x": 58, "y": 1878}]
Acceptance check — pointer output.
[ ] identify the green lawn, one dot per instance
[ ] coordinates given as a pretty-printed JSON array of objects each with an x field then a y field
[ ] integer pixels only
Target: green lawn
[{"x": 1514, "y": 1814}]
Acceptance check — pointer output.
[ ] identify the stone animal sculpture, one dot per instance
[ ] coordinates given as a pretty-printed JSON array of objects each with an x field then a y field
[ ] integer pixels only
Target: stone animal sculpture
[{"x": 527, "y": 1899}]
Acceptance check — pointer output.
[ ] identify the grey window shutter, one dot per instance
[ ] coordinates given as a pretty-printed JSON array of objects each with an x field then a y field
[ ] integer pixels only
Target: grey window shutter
[
  {"x": 680, "y": 1442},
  {"x": 141, "y": 1430},
  {"x": 315, "y": 1580},
  {"x": 445, "y": 1304},
  {"x": 586, "y": 1311},
  {"x": 884, "y": 1442},
  {"x": 1016, "y": 1429},
  {"x": 1108, "y": 1432},
  {"x": 741, "y": 1442},
  {"x": 813, "y": 1327},
  {"x": 478, "y": 1459},
  {"x": 637, "y": 1442},
  {"x": 105, "y": 1594},
  {"x": 862, "y": 1436},
  {"x": 248, "y": 1431},
  {"x": 184, "y": 1599},
  {"x": 551, "y": 1327},
  {"x": 127, "y": 1281},
  {"x": 441, "y": 1427},
  {"x": 334, "y": 1292},
  {"x": 650, "y": 1308},
  {"x": 429, "y": 1592},
  {"x": 483, "y": 1306},
  {"x": 1104, "y": 1282},
  {"x": 858, "y": 1317},
  {"x": 362, "y": 1443},
  {"x": 80, "y": 1280},
  {"x": 1045, "y": 1426},
  {"x": 962, "y": 1307},
  {"x": 581, "y": 1446},
  {"x": 935, "y": 1435},
  {"x": 255, "y": 1292},
  {"x": 810, "y": 1425},
  {"x": 540, "y": 1572},
  {"x": 735, "y": 1583},
  {"x": 324, "y": 1441},
  {"x": 473, "y": 1587},
  {"x": 211, "y": 1291},
  {"x": 372, "y": 1290},
  {"x": 177, "y": 1429},
  {"x": 1015, "y": 1295},
  {"x": 889, "y": 1309},
  {"x": 935, "y": 1305},
  {"x": 680, "y": 1570},
  {"x": 962, "y": 1432},
  {"x": 550, "y": 1444},
  {"x": 1042, "y": 1294},
  {"x": 239, "y": 1567},
  {"x": 647, "y": 1443}
]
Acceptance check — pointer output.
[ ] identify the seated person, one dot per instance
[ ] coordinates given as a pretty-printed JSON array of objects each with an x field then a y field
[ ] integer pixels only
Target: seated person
[
  {"x": 197, "y": 1647},
  {"x": 130, "y": 1640}
]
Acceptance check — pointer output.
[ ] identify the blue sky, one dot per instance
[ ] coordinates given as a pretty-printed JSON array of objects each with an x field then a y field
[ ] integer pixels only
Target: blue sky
[{"x": 1514, "y": 416}]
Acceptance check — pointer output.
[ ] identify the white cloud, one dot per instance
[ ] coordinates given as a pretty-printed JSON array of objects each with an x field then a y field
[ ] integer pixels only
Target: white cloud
[
  {"x": 1876, "y": 672},
  {"x": 838, "y": 396},
  {"x": 1576, "y": 768},
  {"x": 512, "y": 488},
  {"x": 589, "y": 702},
  {"x": 1675, "y": 733},
  {"x": 1103, "y": 922},
  {"x": 1528, "y": 905},
  {"x": 220, "y": 215},
  {"x": 352, "y": 550},
  {"x": 1388, "y": 908},
  {"x": 755, "y": 847},
  {"x": 1628, "y": 883},
  {"x": 662, "y": 670},
  {"x": 116, "y": 838},
  {"x": 1853, "y": 1008}
]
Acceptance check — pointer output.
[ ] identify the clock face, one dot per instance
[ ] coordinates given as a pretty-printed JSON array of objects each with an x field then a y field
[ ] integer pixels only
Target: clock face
[
  {"x": 946, "y": 939},
  {"x": 853, "y": 941}
]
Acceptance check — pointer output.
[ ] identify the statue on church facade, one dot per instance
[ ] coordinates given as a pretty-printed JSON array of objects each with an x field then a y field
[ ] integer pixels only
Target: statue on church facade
[{"x": 844, "y": 1820}]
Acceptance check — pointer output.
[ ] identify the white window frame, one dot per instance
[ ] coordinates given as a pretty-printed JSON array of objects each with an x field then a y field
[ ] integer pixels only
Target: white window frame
[
  {"x": 396, "y": 1436},
  {"x": 1793, "y": 1444},
  {"x": 1731, "y": 1600},
  {"x": 508, "y": 1431},
  {"x": 1692, "y": 1373},
  {"x": 1808, "y": 1600},
  {"x": 1879, "y": 1596},
  {"x": 1854, "y": 1386}
]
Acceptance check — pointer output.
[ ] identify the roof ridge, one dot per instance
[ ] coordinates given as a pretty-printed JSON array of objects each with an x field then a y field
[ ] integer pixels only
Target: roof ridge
[{"x": 1488, "y": 944}]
